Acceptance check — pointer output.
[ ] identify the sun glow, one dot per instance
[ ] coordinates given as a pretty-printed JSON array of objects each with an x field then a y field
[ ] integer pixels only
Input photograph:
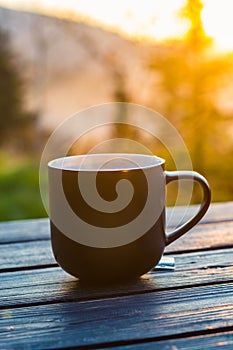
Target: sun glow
[
  {"x": 152, "y": 18},
  {"x": 217, "y": 22},
  {"x": 148, "y": 19}
]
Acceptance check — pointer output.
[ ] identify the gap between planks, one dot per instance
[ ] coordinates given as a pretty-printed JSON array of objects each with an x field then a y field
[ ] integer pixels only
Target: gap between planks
[
  {"x": 34, "y": 287},
  {"x": 158, "y": 315}
]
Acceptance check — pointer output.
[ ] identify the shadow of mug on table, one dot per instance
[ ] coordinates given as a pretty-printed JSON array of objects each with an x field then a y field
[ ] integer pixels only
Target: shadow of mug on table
[{"x": 107, "y": 214}]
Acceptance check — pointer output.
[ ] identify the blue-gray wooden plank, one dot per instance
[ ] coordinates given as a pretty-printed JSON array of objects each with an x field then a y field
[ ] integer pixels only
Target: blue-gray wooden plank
[
  {"x": 150, "y": 316},
  {"x": 38, "y": 253},
  {"x": 49, "y": 285},
  {"x": 38, "y": 229},
  {"x": 222, "y": 340}
]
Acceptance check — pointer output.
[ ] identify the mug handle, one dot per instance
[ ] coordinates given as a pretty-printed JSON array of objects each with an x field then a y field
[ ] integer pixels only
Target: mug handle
[{"x": 190, "y": 175}]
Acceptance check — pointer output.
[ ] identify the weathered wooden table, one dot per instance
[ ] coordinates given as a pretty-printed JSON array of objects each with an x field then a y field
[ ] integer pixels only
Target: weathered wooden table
[{"x": 190, "y": 307}]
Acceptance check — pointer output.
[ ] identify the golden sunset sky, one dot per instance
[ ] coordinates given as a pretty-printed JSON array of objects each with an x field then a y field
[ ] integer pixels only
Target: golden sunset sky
[{"x": 141, "y": 19}]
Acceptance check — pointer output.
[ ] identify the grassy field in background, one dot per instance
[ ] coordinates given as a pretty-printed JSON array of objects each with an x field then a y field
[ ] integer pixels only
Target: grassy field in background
[{"x": 19, "y": 189}]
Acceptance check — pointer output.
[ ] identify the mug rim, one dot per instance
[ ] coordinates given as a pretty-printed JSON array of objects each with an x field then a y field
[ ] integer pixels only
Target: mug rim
[{"x": 144, "y": 161}]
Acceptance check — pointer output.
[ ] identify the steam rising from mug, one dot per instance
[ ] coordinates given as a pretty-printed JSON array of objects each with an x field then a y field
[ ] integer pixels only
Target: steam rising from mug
[{"x": 120, "y": 214}]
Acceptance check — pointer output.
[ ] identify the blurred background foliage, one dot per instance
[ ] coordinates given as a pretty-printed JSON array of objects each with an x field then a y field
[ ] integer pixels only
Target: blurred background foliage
[
  {"x": 190, "y": 82},
  {"x": 189, "y": 79}
]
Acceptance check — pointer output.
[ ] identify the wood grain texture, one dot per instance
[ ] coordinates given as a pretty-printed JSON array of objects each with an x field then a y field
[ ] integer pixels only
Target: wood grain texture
[
  {"x": 203, "y": 342},
  {"x": 25, "y": 255},
  {"x": 190, "y": 308},
  {"x": 217, "y": 212},
  {"x": 205, "y": 236},
  {"x": 29, "y": 230},
  {"x": 24, "y": 230},
  {"x": 38, "y": 253},
  {"x": 130, "y": 318},
  {"x": 53, "y": 284}
]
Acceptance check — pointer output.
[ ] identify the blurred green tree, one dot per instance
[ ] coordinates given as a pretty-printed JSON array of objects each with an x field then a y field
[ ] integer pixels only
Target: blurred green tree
[
  {"x": 20, "y": 196},
  {"x": 15, "y": 122},
  {"x": 190, "y": 78}
]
